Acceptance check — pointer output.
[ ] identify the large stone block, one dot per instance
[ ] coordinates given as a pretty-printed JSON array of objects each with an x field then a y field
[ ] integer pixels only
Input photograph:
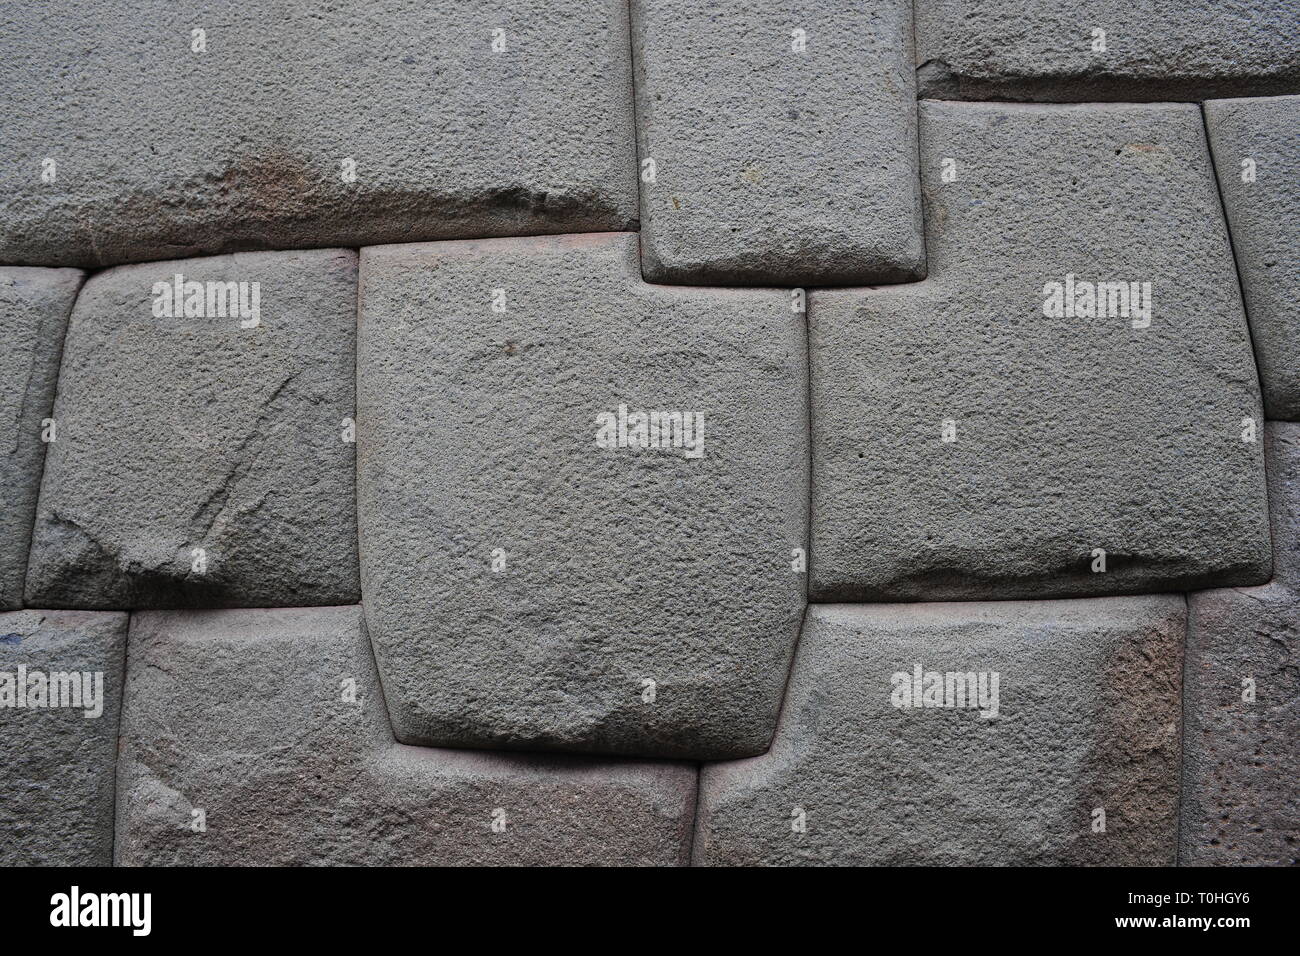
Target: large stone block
[
  {"x": 1242, "y": 699},
  {"x": 259, "y": 737},
  {"x": 34, "y": 307},
  {"x": 1256, "y": 146},
  {"x": 301, "y": 124},
  {"x": 202, "y": 460},
  {"x": 61, "y": 675},
  {"x": 1156, "y": 50},
  {"x": 973, "y": 438},
  {"x": 1082, "y": 732},
  {"x": 530, "y": 587},
  {"x": 783, "y": 142}
]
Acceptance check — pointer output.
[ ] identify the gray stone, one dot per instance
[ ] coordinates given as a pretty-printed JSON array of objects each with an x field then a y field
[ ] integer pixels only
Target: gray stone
[
  {"x": 1072, "y": 434},
  {"x": 179, "y": 435},
  {"x": 777, "y": 165},
  {"x": 271, "y": 722},
  {"x": 615, "y": 566},
  {"x": 1241, "y": 758},
  {"x": 162, "y": 152},
  {"x": 1264, "y": 214},
  {"x": 1087, "y": 719},
  {"x": 1155, "y": 50},
  {"x": 34, "y": 307},
  {"x": 56, "y": 788}
]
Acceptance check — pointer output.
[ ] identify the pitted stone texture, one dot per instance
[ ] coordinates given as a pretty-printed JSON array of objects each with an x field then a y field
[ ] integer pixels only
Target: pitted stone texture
[
  {"x": 185, "y": 434},
  {"x": 56, "y": 787},
  {"x": 1283, "y": 449},
  {"x": 1264, "y": 214},
  {"x": 1241, "y": 758},
  {"x": 246, "y": 715},
  {"x": 162, "y": 152},
  {"x": 1071, "y": 434},
  {"x": 1088, "y": 718},
  {"x": 1156, "y": 50},
  {"x": 34, "y": 307},
  {"x": 478, "y": 441},
  {"x": 776, "y": 165}
]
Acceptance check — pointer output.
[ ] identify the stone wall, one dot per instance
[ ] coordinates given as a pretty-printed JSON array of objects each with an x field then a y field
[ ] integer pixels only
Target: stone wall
[{"x": 574, "y": 431}]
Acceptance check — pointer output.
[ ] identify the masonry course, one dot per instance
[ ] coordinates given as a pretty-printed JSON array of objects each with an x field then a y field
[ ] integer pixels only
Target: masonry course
[{"x": 260, "y": 737}]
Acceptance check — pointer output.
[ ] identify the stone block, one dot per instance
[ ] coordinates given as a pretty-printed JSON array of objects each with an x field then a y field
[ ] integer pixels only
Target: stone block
[
  {"x": 988, "y": 432},
  {"x": 1157, "y": 50},
  {"x": 34, "y": 307},
  {"x": 783, "y": 141},
  {"x": 533, "y": 580},
  {"x": 1242, "y": 699},
  {"x": 61, "y": 676},
  {"x": 877, "y": 764},
  {"x": 1256, "y": 146},
  {"x": 181, "y": 129},
  {"x": 203, "y": 460}
]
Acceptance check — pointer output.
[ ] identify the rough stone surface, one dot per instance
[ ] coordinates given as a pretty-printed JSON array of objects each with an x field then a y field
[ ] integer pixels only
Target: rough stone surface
[
  {"x": 478, "y": 440},
  {"x": 34, "y": 307},
  {"x": 243, "y": 715},
  {"x": 56, "y": 786},
  {"x": 1264, "y": 214},
  {"x": 1242, "y": 757},
  {"x": 1088, "y": 718},
  {"x": 1154, "y": 50},
  {"x": 1071, "y": 434},
  {"x": 777, "y": 165},
  {"x": 162, "y": 152},
  {"x": 177, "y": 434}
]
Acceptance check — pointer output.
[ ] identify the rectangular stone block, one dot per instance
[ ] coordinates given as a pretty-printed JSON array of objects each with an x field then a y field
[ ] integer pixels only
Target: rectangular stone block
[
  {"x": 582, "y": 498},
  {"x": 1088, "y": 50},
  {"x": 1068, "y": 405},
  {"x": 204, "y": 458},
  {"x": 783, "y": 142},
  {"x": 1240, "y": 805},
  {"x": 140, "y": 131},
  {"x": 1256, "y": 146},
  {"x": 259, "y": 737},
  {"x": 61, "y": 675},
  {"x": 966, "y": 734},
  {"x": 34, "y": 307}
]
